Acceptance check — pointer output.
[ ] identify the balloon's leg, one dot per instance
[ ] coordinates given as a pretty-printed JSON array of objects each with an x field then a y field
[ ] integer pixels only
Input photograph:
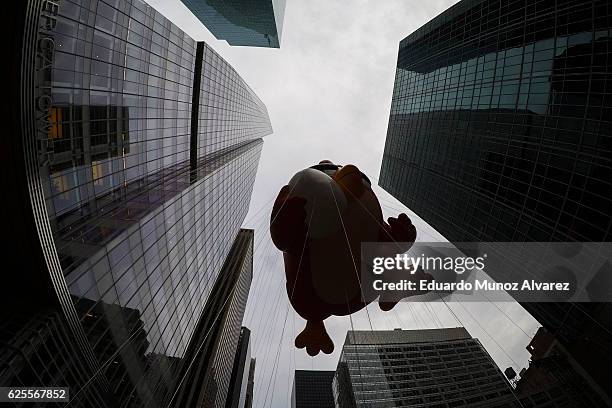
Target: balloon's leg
[
  {"x": 315, "y": 338},
  {"x": 385, "y": 306}
]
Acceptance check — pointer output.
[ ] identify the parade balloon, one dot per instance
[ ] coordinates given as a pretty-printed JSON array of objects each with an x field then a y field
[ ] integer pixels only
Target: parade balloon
[{"x": 319, "y": 220}]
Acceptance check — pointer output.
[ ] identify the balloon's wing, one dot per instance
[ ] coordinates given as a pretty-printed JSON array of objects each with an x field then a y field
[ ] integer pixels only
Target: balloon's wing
[{"x": 288, "y": 220}]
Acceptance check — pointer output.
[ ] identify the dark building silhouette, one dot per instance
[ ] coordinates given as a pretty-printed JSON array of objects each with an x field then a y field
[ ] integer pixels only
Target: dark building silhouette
[
  {"x": 107, "y": 328},
  {"x": 553, "y": 377},
  {"x": 500, "y": 131},
  {"x": 256, "y": 23},
  {"x": 426, "y": 368},
  {"x": 123, "y": 207},
  {"x": 40, "y": 349},
  {"x": 312, "y": 389},
  {"x": 213, "y": 348},
  {"x": 248, "y": 403},
  {"x": 237, "y": 390}
]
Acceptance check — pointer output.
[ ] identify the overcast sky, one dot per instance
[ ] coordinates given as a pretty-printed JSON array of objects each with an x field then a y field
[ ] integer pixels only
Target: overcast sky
[{"x": 328, "y": 92}]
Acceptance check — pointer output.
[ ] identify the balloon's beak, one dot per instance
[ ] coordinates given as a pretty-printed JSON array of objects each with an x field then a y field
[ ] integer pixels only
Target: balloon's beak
[{"x": 350, "y": 181}]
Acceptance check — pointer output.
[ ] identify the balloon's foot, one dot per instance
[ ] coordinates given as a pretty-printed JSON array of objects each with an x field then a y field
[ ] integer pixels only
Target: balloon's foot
[
  {"x": 314, "y": 338},
  {"x": 386, "y": 306}
]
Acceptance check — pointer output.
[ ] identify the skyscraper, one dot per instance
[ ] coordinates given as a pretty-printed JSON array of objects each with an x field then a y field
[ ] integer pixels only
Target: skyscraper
[
  {"x": 237, "y": 393},
  {"x": 29, "y": 339},
  {"x": 426, "y": 368},
  {"x": 248, "y": 403},
  {"x": 312, "y": 389},
  {"x": 500, "y": 131},
  {"x": 552, "y": 377},
  {"x": 256, "y": 23},
  {"x": 124, "y": 209},
  {"x": 208, "y": 379},
  {"x": 499, "y": 127}
]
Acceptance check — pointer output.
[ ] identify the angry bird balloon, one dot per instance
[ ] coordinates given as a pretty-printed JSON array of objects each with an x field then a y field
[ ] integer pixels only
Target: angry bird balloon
[{"x": 319, "y": 221}]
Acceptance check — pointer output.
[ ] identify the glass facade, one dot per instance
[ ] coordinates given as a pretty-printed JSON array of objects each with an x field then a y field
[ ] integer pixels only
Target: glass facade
[
  {"x": 248, "y": 403},
  {"x": 121, "y": 75},
  {"x": 135, "y": 205},
  {"x": 425, "y": 368},
  {"x": 217, "y": 384},
  {"x": 40, "y": 350},
  {"x": 256, "y": 23},
  {"x": 552, "y": 378},
  {"x": 166, "y": 263},
  {"x": 312, "y": 389},
  {"x": 216, "y": 342},
  {"x": 500, "y": 122},
  {"x": 237, "y": 391},
  {"x": 501, "y": 130},
  {"x": 230, "y": 113}
]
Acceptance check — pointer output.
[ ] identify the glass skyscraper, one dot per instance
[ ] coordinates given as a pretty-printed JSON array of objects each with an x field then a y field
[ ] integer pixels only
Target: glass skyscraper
[
  {"x": 237, "y": 392},
  {"x": 209, "y": 381},
  {"x": 248, "y": 402},
  {"x": 500, "y": 130},
  {"x": 312, "y": 389},
  {"x": 134, "y": 153},
  {"x": 425, "y": 368},
  {"x": 255, "y": 23},
  {"x": 500, "y": 122}
]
